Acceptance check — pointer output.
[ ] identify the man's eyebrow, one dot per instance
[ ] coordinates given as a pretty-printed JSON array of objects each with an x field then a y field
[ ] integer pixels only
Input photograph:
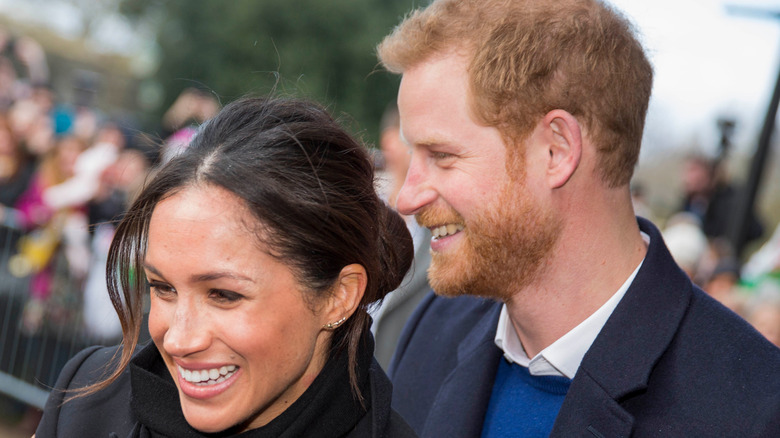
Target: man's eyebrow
[{"x": 424, "y": 143}]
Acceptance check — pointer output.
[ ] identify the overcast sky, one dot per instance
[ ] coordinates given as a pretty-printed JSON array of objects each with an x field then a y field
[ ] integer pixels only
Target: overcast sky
[{"x": 708, "y": 63}]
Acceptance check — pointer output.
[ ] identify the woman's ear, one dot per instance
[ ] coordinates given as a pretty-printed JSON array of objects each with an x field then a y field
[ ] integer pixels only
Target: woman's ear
[{"x": 346, "y": 296}]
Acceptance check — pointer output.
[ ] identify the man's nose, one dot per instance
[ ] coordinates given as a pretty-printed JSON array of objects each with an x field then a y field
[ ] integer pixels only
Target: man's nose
[{"x": 417, "y": 191}]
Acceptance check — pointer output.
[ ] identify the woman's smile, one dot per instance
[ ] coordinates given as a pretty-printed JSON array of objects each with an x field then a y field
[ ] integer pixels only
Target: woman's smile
[
  {"x": 204, "y": 384},
  {"x": 209, "y": 376}
]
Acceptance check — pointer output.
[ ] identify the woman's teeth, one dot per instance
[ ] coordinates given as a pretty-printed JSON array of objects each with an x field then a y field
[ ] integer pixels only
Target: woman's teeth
[
  {"x": 445, "y": 230},
  {"x": 208, "y": 377}
]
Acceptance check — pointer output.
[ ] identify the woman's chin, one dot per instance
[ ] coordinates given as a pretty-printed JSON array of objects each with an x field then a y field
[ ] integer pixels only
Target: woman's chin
[
  {"x": 207, "y": 421},
  {"x": 209, "y": 426}
]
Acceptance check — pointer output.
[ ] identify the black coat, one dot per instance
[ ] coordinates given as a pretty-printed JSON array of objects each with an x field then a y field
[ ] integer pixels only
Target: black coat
[
  {"x": 670, "y": 361},
  {"x": 113, "y": 412}
]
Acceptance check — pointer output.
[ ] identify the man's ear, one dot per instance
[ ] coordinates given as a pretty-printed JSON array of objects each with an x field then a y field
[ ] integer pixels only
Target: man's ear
[
  {"x": 346, "y": 295},
  {"x": 564, "y": 143}
]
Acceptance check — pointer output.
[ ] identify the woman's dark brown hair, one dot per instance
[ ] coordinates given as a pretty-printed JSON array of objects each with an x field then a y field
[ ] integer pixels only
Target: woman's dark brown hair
[{"x": 311, "y": 187}]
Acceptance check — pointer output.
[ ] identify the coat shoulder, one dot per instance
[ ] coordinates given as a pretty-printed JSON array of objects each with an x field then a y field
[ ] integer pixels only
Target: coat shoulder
[
  {"x": 443, "y": 336},
  {"x": 97, "y": 414},
  {"x": 438, "y": 326},
  {"x": 718, "y": 374}
]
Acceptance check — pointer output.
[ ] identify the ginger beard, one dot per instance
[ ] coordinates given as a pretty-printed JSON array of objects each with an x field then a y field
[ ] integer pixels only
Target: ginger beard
[{"x": 504, "y": 248}]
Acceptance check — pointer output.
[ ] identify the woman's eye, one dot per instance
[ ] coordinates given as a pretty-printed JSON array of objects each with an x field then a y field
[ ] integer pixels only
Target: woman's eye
[
  {"x": 224, "y": 296},
  {"x": 162, "y": 290}
]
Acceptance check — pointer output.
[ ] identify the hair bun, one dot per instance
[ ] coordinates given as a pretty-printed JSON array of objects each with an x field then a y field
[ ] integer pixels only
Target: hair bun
[{"x": 396, "y": 250}]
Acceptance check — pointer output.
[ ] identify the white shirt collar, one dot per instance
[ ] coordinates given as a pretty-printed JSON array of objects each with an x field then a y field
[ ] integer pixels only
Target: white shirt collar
[{"x": 562, "y": 357}]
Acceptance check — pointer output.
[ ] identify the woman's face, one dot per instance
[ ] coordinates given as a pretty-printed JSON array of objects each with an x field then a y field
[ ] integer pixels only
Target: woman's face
[{"x": 229, "y": 320}]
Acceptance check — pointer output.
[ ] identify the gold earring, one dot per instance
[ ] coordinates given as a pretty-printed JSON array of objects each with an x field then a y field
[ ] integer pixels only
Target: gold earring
[{"x": 332, "y": 325}]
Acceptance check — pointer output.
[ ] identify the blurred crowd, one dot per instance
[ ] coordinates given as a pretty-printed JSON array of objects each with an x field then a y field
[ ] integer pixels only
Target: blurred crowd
[
  {"x": 698, "y": 237},
  {"x": 67, "y": 173}
]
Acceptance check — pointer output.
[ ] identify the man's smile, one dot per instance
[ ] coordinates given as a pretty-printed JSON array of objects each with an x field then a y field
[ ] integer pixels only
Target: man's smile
[{"x": 443, "y": 231}]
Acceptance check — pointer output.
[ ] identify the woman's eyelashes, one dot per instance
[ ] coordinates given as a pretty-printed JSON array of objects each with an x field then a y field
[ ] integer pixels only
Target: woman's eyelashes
[
  {"x": 224, "y": 296},
  {"x": 160, "y": 289},
  {"x": 220, "y": 296}
]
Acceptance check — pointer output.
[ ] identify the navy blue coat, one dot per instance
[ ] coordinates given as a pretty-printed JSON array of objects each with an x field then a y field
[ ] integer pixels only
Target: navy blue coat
[{"x": 670, "y": 361}]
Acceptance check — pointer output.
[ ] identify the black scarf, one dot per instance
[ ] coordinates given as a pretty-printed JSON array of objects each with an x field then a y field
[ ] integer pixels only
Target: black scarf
[{"x": 326, "y": 409}]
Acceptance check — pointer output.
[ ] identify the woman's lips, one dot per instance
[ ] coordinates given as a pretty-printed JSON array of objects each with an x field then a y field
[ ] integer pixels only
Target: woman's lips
[{"x": 207, "y": 382}]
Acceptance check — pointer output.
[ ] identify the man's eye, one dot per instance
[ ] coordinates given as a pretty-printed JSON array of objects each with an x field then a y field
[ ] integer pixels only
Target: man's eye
[{"x": 441, "y": 155}]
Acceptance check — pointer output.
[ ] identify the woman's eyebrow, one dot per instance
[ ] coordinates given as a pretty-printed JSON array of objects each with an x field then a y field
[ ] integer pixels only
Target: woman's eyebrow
[
  {"x": 152, "y": 269},
  {"x": 206, "y": 276}
]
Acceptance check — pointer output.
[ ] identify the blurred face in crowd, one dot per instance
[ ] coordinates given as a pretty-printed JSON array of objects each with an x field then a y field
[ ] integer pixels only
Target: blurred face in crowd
[
  {"x": 395, "y": 151},
  {"x": 766, "y": 320},
  {"x": 68, "y": 151},
  {"x": 397, "y": 158},
  {"x": 231, "y": 323},
  {"x": 9, "y": 155},
  {"x": 490, "y": 234},
  {"x": 696, "y": 177},
  {"x": 40, "y": 136}
]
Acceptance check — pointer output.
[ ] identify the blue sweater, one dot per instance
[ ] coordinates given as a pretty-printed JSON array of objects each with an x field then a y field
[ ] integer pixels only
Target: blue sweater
[{"x": 523, "y": 405}]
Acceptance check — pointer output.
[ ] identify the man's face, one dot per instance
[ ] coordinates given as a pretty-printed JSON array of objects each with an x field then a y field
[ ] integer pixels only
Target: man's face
[{"x": 490, "y": 235}]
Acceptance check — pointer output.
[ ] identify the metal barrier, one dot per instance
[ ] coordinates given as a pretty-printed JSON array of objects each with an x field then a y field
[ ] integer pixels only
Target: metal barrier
[{"x": 36, "y": 339}]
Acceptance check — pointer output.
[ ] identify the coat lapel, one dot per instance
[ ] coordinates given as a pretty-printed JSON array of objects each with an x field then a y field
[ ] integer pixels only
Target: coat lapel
[
  {"x": 589, "y": 411},
  {"x": 619, "y": 363},
  {"x": 460, "y": 405}
]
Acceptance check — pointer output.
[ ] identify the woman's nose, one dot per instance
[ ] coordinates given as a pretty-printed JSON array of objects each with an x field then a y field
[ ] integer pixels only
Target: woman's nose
[{"x": 186, "y": 333}]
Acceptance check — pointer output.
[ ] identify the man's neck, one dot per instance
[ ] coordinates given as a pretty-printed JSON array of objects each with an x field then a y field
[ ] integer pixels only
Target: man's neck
[{"x": 589, "y": 264}]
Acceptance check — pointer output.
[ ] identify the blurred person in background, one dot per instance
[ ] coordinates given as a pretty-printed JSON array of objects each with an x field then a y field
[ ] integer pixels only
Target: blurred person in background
[
  {"x": 723, "y": 284},
  {"x": 640, "y": 202},
  {"x": 761, "y": 280},
  {"x": 394, "y": 152},
  {"x": 26, "y": 53},
  {"x": 708, "y": 262},
  {"x": 686, "y": 242},
  {"x": 712, "y": 198},
  {"x": 8, "y": 83},
  {"x": 391, "y": 316},
  {"x": 697, "y": 184},
  {"x": 30, "y": 55},
  {"x": 85, "y": 182},
  {"x": 33, "y": 127},
  {"x": 766, "y": 261},
  {"x": 765, "y": 315},
  {"x": 46, "y": 228},
  {"x": 119, "y": 184},
  {"x": 16, "y": 170},
  {"x": 191, "y": 108}
]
